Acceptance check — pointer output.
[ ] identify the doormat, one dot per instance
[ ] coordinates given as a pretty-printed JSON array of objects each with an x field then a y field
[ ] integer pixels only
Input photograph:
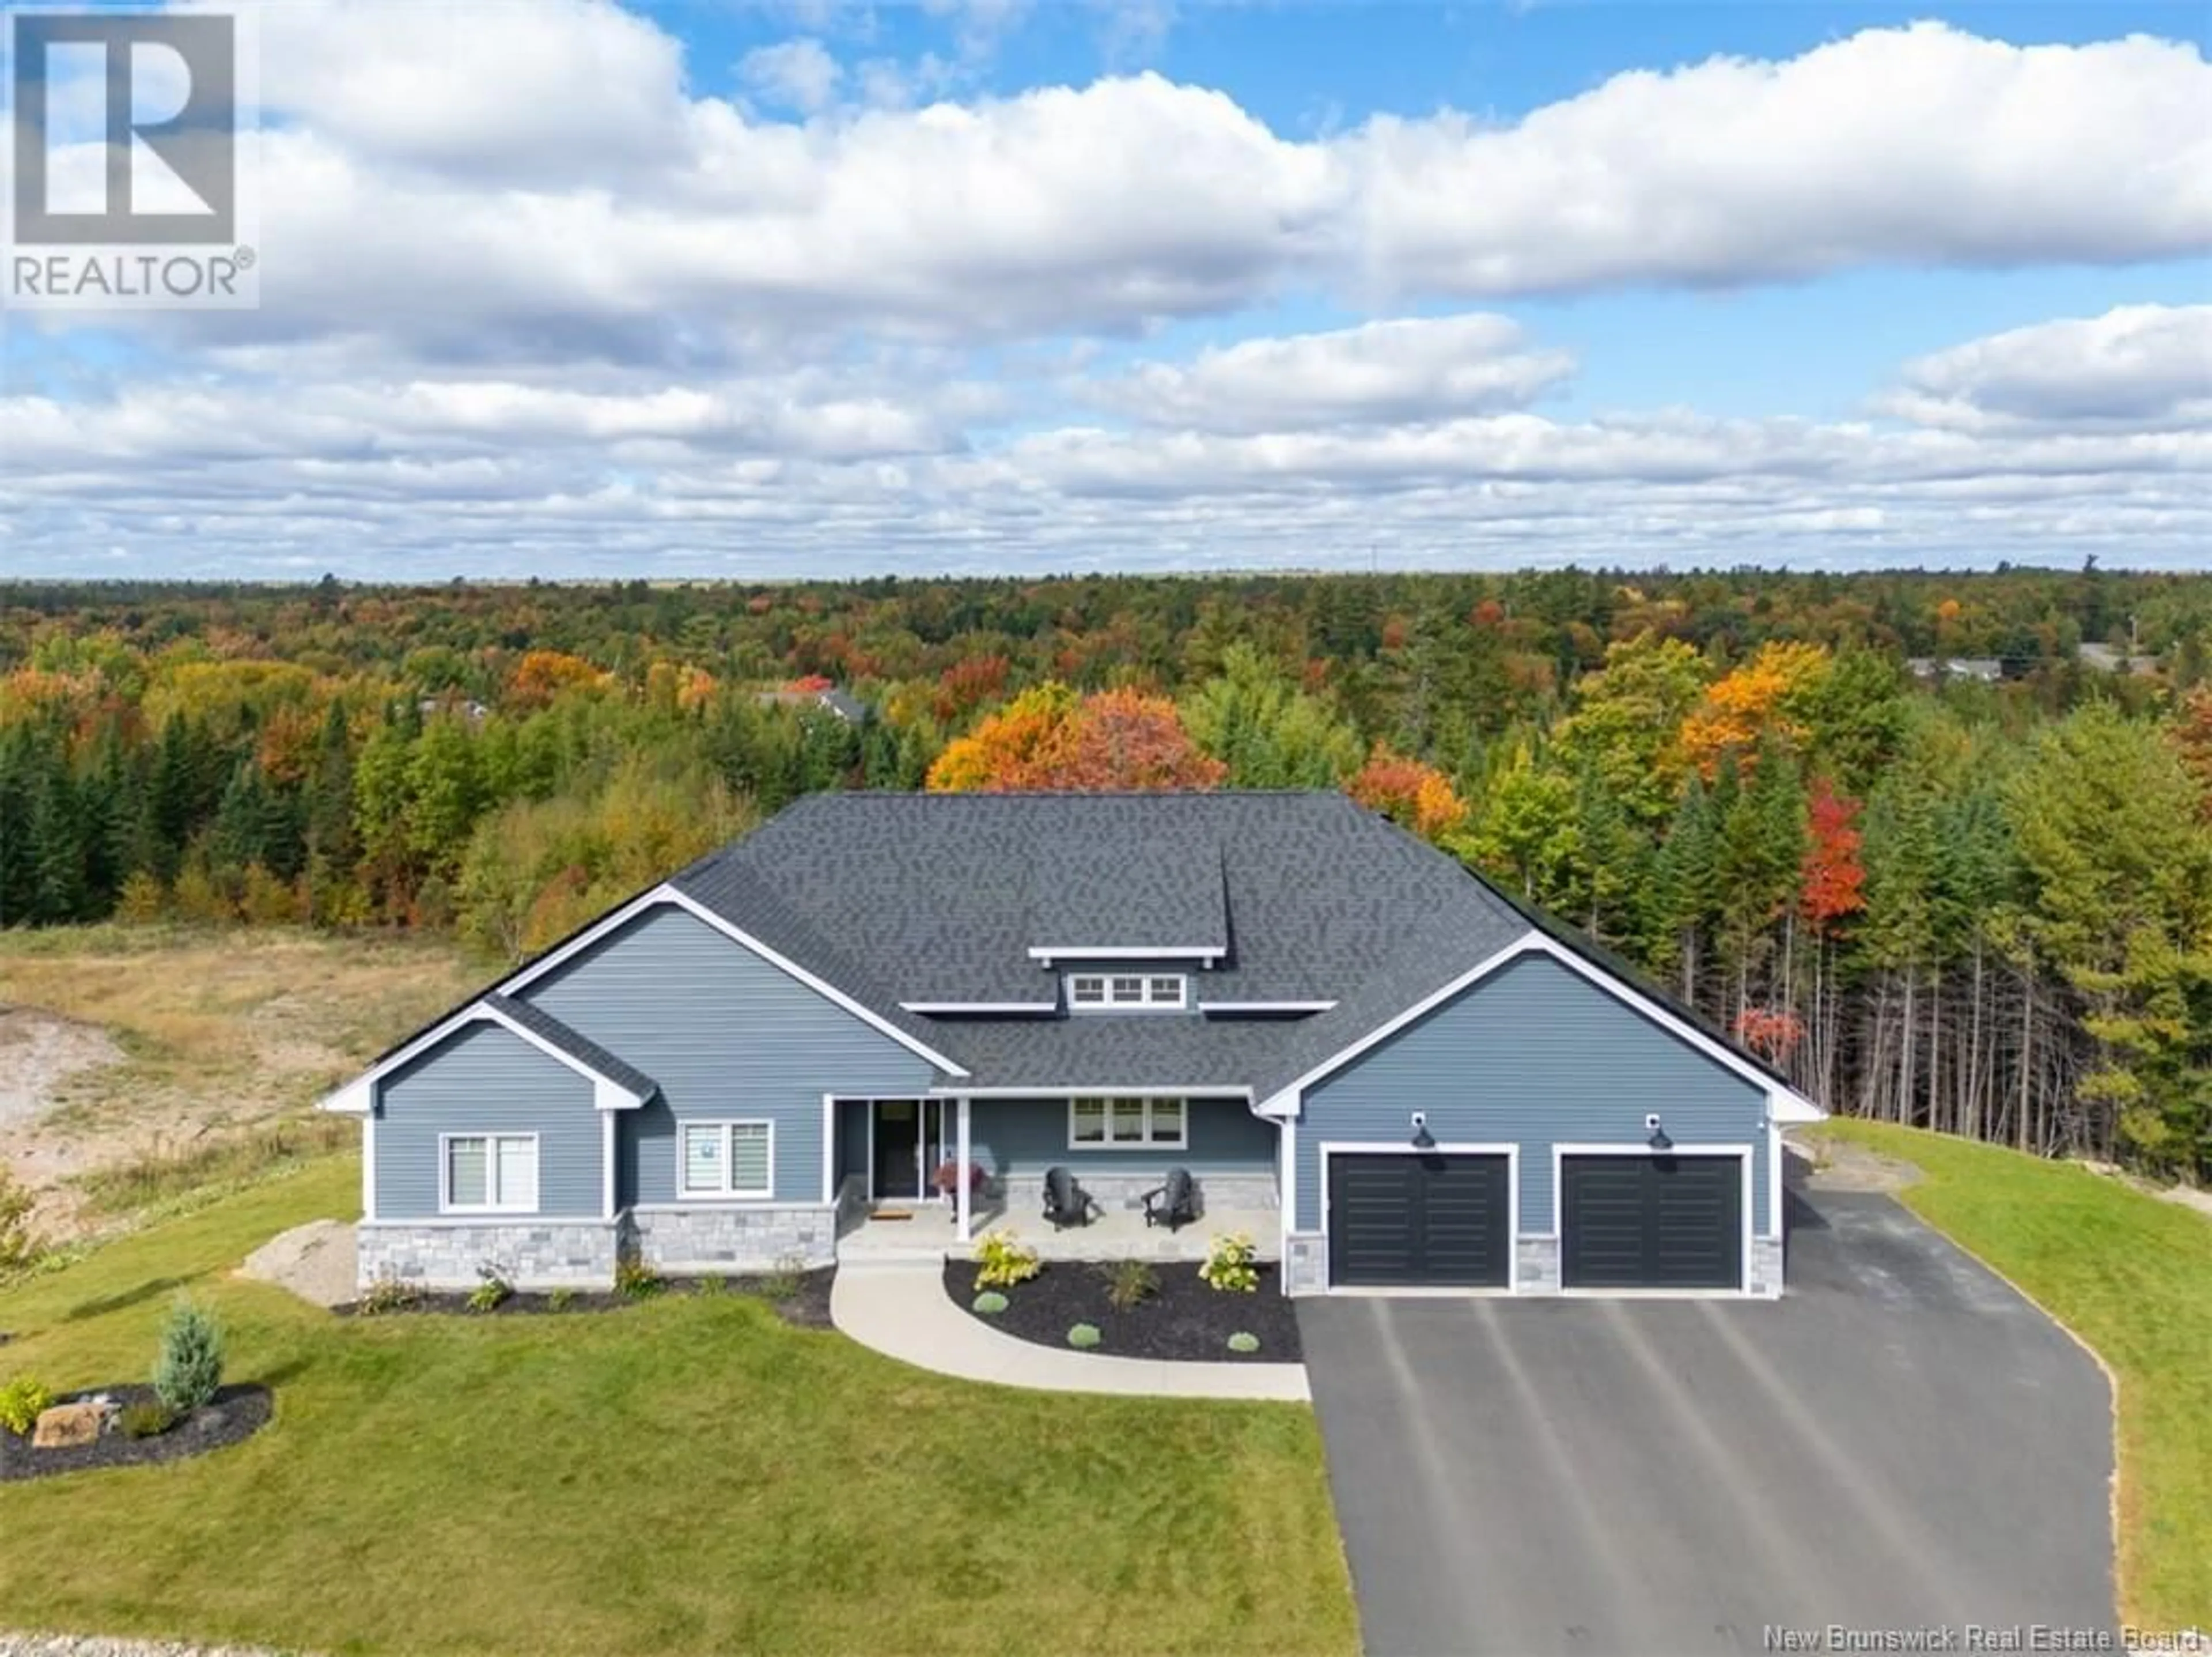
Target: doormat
[{"x": 892, "y": 1213}]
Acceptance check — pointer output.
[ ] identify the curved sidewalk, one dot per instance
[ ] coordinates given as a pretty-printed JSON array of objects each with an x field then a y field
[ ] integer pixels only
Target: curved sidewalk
[{"x": 900, "y": 1309}]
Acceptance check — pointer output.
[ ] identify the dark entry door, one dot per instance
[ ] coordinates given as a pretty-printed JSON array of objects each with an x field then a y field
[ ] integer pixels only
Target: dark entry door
[
  {"x": 898, "y": 1148},
  {"x": 1648, "y": 1222},
  {"x": 1409, "y": 1221}
]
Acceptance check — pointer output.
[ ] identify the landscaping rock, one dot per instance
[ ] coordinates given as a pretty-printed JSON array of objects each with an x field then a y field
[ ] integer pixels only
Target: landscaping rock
[
  {"x": 67, "y": 1425},
  {"x": 317, "y": 1262}
]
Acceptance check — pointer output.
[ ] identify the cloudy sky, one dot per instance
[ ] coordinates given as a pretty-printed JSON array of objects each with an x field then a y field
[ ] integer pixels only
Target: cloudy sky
[{"x": 560, "y": 287}]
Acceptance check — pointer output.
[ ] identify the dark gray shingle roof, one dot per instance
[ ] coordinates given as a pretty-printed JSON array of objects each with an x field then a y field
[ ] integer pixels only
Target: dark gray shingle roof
[
  {"x": 577, "y": 1047},
  {"x": 938, "y": 898}
]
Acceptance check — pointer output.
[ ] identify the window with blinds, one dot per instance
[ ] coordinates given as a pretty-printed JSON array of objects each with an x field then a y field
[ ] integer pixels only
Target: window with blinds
[
  {"x": 726, "y": 1159},
  {"x": 491, "y": 1171}
]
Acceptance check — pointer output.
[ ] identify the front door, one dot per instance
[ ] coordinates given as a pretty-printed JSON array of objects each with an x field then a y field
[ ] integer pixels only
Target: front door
[{"x": 898, "y": 1149}]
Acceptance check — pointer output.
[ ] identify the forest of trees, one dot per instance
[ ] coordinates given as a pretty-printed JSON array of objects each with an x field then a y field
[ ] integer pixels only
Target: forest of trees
[{"x": 1983, "y": 905}]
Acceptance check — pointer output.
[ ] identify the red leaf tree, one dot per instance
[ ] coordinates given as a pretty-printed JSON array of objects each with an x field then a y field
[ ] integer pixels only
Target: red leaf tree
[{"x": 1832, "y": 883}]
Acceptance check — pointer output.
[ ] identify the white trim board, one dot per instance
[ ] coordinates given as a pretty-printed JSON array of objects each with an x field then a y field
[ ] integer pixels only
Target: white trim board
[
  {"x": 1562, "y": 1150},
  {"x": 666, "y": 893},
  {"x": 1196, "y": 1090},
  {"x": 357, "y": 1097},
  {"x": 956, "y": 1009},
  {"x": 1265, "y": 1005},
  {"x": 1046, "y": 954},
  {"x": 1784, "y": 1104},
  {"x": 1510, "y": 1149}
]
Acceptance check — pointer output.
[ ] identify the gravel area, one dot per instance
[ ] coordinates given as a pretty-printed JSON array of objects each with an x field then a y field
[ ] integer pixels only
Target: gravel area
[
  {"x": 89, "y": 1645},
  {"x": 1184, "y": 1319},
  {"x": 317, "y": 1262},
  {"x": 39, "y": 1052}
]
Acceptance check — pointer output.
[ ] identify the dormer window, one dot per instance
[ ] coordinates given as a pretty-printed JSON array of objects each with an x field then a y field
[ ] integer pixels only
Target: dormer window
[{"x": 1101, "y": 991}]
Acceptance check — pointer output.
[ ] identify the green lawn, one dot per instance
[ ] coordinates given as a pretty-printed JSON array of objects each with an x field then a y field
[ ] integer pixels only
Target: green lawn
[
  {"x": 2132, "y": 1277},
  {"x": 689, "y": 1475}
]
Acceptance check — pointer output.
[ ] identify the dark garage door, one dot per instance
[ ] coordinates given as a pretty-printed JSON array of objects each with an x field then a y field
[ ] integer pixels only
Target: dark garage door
[
  {"x": 1651, "y": 1221},
  {"x": 1412, "y": 1220}
]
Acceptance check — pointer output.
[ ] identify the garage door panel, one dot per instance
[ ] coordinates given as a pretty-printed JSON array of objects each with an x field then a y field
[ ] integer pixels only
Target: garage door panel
[
  {"x": 1402, "y": 1220},
  {"x": 1642, "y": 1222}
]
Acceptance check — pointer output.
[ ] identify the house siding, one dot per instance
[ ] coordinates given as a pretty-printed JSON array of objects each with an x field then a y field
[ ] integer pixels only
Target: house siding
[
  {"x": 483, "y": 1078},
  {"x": 1020, "y": 1138},
  {"x": 1537, "y": 1055},
  {"x": 727, "y": 1035}
]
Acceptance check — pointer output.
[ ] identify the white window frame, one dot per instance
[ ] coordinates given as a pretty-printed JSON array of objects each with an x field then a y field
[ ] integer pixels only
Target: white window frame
[
  {"x": 446, "y": 1203},
  {"x": 1148, "y": 1104},
  {"x": 1107, "y": 998},
  {"x": 726, "y": 1193}
]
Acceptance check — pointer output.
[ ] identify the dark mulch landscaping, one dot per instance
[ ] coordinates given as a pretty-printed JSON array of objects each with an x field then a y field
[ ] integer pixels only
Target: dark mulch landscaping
[
  {"x": 802, "y": 1301},
  {"x": 236, "y": 1414},
  {"x": 1182, "y": 1319}
]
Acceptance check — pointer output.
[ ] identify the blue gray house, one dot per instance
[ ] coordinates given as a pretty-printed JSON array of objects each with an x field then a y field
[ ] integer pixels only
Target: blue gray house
[{"x": 1395, "y": 1076}]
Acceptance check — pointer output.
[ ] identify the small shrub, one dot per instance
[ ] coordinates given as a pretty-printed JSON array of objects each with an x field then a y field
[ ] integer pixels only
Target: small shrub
[
  {"x": 782, "y": 1281},
  {"x": 562, "y": 1298},
  {"x": 18, "y": 1247},
  {"x": 22, "y": 1401},
  {"x": 1129, "y": 1284},
  {"x": 492, "y": 1291},
  {"x": 189, "y": 1367},
  {"x": 1230, "y": 1265},
  {"x": 714, "y": 1284},
  {"x": 1241, "y": 1341},
  {"x": 636, "y": 1280},
  {"x": 990, "y": 1303},
  {"x": 1003, "y": 1260},
  {"x": 387, "y": 1295},
  {"x": 148, "y": 1420},
  {"x": 1085, "y": 1336}
]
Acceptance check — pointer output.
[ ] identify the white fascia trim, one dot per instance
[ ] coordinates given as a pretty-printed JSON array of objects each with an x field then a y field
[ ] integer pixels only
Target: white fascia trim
[
  {"x": 1784, "y": 1104},
  {"x": 697, "y": 910},
  {"x": 607, "y": 1157},
  {"x": 1510, "y": 1149},
  {"x": 1562, "y": 1150},
  {"x": 1193, "y": 1091},
  {"x": 960, "y": 1007},
  {"x": 1046, "y": 954},
  {"x": 357, "y": 1097},
  {"x": 368, "y": 1166},
  {"x": 1265, "y": 1005}
]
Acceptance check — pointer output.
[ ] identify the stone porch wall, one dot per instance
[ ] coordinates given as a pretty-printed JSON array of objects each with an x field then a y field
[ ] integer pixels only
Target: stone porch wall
[
  {"x": 735, "y": 1239},
  {"x": 527, "y": 1253}
]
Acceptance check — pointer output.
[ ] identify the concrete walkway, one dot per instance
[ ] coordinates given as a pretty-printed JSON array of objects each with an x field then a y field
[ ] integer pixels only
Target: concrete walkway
[{"x": 900, "y": 1309}]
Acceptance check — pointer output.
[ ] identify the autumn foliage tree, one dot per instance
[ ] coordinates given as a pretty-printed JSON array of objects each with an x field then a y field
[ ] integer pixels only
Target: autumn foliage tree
[
  {"x": 1411, "y": 795},
  {"x": 1046, "y": 739}
]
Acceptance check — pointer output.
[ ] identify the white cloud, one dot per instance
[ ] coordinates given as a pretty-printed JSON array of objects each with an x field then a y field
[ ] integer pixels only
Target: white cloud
[
  {"x": 799, "y": 75},
  {"x": 527, "y": 180},
  {"x": 2137, "y": 365},
  {"x": 1411, "y": 369},
  {"x": 1922, "y": 146}
]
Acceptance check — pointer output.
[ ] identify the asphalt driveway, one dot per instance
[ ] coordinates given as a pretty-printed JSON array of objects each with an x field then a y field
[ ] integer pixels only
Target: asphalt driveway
[{"x": 1901, "y": 1443}]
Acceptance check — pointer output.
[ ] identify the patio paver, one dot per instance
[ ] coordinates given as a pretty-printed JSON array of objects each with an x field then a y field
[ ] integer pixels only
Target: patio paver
[{"x": 899, "y": 1308}]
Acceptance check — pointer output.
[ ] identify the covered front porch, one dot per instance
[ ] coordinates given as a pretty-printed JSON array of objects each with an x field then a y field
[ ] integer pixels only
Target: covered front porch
[{"x": 901, "y": 1195}]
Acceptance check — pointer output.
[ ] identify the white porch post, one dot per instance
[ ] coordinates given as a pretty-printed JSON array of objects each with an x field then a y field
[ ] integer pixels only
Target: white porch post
[{"x": 962, "y": 1184}]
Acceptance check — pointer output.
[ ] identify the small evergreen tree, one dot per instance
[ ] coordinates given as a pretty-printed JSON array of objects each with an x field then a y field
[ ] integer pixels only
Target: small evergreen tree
[{"x": 190, "y": 1368}]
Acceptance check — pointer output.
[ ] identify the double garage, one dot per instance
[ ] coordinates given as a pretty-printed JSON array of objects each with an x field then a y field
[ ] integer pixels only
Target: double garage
[{"x": 1448, "y": 1219}]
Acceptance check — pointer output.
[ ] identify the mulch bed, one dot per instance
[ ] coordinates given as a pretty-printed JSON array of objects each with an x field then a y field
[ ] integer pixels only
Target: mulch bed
[
  {"x": 236, "y": 1414},
  {"x": 1184, "y": 1320},
  {"x": 807, "y": 1306}
]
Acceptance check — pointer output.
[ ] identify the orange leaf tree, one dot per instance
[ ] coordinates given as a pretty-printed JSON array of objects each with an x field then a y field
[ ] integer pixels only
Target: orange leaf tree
[
  {"x": 1047, "y": 739},
  {"x": 1411, "y": 795}
]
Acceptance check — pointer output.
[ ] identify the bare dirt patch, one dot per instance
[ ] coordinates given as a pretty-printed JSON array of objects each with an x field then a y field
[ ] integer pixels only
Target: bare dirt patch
[
  {"x": 128, "y": 1049},
  {"x": 1825, "y": 1164}
]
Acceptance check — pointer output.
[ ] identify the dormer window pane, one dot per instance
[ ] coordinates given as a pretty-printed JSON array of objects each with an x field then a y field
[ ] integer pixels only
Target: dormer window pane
[
  {"x": 1128, "y": 992},
  {"x": 1086, "y": 990},
  {"x": 1165, "y": 992}
]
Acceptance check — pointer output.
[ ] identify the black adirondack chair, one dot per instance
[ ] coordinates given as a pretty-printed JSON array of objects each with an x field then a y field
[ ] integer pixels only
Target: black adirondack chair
[
  {"x": 1175, "y": 1204},
  {"x": 1066, "y": 1202}
]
